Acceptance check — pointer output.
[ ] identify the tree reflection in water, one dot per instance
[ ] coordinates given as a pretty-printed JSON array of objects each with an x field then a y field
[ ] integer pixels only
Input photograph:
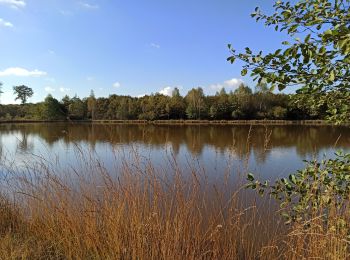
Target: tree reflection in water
[{"x": 307, "y": 140}]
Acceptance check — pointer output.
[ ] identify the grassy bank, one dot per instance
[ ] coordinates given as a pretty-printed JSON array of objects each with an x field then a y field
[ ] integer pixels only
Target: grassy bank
[{"x": 141, "y": 212}]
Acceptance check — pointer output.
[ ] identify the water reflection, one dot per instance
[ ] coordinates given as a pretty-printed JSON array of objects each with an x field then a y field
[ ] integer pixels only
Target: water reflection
[{"x": 260, "y": 140}]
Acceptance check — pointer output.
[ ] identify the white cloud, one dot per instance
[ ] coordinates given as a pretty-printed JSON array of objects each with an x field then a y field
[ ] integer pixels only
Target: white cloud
[
  {"x": 21, "y": 72},
  {"x": 64, "y": 90},
  {"x": 167, "y": 91},
  {"x": 230, "y": 84},
  {"x": 233, "y": 83},
  {"x": 13, "y": 3},
  {"x": 49, "y": 89},
  {"x": 141, "y": 95},
  {"x": 154, "y": 45},
  {"x": 216, "y": 87},
  {"x": 117, "y": 85},
  {"x": 89, "y": 78},
  {"x": 4, "y": 23},
  {"x": 88, "y": 6}
]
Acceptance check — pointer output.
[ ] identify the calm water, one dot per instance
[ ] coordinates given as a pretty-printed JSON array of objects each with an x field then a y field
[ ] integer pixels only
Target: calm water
[{"x": 270, "y": 151}]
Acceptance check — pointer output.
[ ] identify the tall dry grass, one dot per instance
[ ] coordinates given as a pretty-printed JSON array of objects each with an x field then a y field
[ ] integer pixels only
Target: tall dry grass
[{"x": 140, "y": 212}]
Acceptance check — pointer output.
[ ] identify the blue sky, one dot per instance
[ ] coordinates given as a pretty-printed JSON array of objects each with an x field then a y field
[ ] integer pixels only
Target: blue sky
[{"x": 126, "y": 47}]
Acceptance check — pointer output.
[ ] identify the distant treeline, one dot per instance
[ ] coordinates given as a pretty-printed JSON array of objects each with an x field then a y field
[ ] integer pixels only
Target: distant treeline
[{"x": 242, "y": 103}]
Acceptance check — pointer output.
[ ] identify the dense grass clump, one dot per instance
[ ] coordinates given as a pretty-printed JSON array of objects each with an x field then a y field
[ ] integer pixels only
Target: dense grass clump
[{"x": 141, "y": 212}]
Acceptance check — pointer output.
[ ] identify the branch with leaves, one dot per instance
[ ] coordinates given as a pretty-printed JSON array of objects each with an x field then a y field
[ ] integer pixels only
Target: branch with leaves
[{"x": 315, "y": 57}]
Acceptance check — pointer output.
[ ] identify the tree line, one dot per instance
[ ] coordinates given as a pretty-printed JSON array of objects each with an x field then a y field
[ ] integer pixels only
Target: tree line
[{"x": 242, "y": 103}]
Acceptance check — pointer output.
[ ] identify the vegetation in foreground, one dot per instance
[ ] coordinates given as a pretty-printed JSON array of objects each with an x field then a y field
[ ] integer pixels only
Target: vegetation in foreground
[{"x": 141, "y": 212}]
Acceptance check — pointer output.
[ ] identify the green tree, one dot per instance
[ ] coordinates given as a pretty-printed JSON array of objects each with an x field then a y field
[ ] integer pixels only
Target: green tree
[
  {"x": 195, "y": 103},
  {"x": 52, "y": 109},
  {"x": 177, "y": 105},
  {"x": 316, "y": 56},
  {"x": 23, "y": 93},
  {"x": 65, "y": 103},
  {"x": 242, "y": 103},
  {"x": 77, "y": 108}
]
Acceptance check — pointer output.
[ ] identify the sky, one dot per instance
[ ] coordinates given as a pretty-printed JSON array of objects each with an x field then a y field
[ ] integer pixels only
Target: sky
[{"x": 133, "y": 47}]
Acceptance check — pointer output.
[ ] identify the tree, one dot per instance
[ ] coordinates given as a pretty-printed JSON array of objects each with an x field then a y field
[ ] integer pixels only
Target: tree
[
  {"x": 316, "y": 56},
  {"x": 91, "y": 103},
  {"x": 175, "y": 93},
  {"x": 195, "y": 101},
  {"x": 23, "y": 93},
  {"x": 243, "y": 90},
  {"x": 52, "y": 109},
  {"x": 77, "y": 108},
  {"x": 177, "y": 105},
  {"x": 242, "y": 98},
  {"x": 262, "y": 88}
]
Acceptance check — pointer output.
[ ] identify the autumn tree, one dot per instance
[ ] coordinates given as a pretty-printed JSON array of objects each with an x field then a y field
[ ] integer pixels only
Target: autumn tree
[{"x": 91, "y": 104}]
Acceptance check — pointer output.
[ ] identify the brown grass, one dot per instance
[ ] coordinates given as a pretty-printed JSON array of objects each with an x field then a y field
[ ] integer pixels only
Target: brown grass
[{"x": 140, "y": 212}]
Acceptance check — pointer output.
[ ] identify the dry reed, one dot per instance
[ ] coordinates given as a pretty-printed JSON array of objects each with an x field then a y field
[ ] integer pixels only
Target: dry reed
[{"x": 140, "y": 212}]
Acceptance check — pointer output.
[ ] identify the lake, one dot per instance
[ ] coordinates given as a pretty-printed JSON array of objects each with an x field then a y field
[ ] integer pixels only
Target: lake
[{"x": 269, "y": 151}]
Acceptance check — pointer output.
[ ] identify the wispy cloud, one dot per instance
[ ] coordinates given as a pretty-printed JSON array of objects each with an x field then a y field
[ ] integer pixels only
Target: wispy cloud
[
  {"x": 4, "y": 23},
  {"x": 21, "y": 72},
  {"x": 90, "y": 78},
  {"x": 64, "y": 90},
  {"x": 49, "y": 89},
  {"x": 154, "y": 45},
  {"x": 117, "y": 85},
  {"x": 89, "y": 6},
  {"x": 13, "y": 3}
]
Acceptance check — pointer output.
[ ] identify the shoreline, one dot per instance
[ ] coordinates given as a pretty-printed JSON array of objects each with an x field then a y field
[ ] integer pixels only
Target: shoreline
[{"x": 183, "y": 122}]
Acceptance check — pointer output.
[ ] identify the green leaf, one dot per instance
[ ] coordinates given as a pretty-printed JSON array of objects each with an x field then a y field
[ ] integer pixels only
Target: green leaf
[
  {"x": 292, "y": 178},
  {"x": 307, "y": 38},
  {"x": 250, "y": 177},
  {"x": 244, "y": 72},
  {"x": 281, "y": 87},
  {"x": 328, "y": 32}
]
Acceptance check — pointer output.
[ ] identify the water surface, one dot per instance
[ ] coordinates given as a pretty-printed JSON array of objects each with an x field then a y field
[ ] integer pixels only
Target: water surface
[{"x": 270, "y": 151}]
